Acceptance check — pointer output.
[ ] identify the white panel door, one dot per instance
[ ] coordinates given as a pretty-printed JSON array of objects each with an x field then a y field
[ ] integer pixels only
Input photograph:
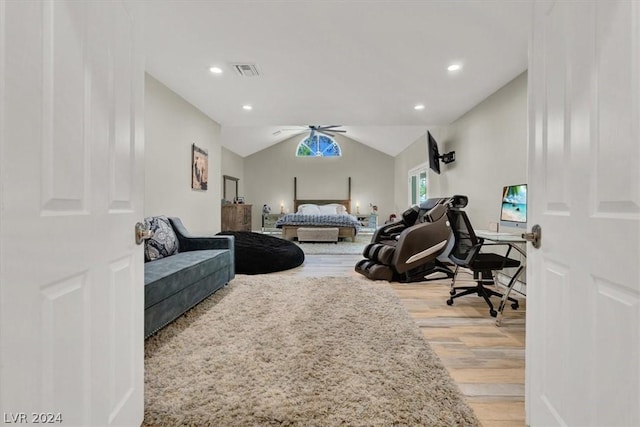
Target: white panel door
[
  {"x": 71, "y": 275},
  {"x": 583, "y": 284}
]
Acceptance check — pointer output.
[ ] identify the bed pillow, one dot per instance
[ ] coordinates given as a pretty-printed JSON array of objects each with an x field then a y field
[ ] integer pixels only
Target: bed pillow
[
  {"x": 340, "y": 209},
  {"x": 328, "y": 209},
  {"x": 302, "y": 206},
  {"x": 309, "y": 209}
]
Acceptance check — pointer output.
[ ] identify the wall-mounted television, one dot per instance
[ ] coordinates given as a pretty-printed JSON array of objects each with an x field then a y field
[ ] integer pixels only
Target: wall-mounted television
[
  {"x": 434, "y": 154},
  {"x": 513, "y": 210}
]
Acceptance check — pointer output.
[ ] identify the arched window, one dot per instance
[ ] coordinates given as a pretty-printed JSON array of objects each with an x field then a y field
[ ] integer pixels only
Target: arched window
[{"x": 317, "y": 145}]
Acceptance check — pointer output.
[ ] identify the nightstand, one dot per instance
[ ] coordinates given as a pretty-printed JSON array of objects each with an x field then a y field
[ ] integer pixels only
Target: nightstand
[
  {"x": 373, "y": 221},
  {"x": 269, "y": 222},
  {"x": 363, "y": 219},
  {"x": 368, "y": 221}
]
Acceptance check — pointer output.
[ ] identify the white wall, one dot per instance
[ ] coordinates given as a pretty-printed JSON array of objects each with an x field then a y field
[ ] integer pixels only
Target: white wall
[
  {"x": 491, "y": 151},
  {"x": 490, "y": 142},
  {"x": 269, "y": 177},
  {"x": 412, "y": 156},
  {"x": 172, "y": 125},
  {"x": 232, "y": 165}
]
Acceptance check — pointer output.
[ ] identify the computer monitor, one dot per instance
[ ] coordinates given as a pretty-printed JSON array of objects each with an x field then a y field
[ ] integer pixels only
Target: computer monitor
[
  {"x": 513, "y": 210},
  {"x": 434, "y": 154}
]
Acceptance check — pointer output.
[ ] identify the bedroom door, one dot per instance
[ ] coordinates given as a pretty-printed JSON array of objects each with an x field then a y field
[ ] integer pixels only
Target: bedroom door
[
  {"x": 71, "y": 168},
  {"x": 583, "y": 284}
]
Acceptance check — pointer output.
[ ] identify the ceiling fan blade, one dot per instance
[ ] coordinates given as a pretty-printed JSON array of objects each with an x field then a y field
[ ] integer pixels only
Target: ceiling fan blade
[
  {"x": 325, "y": 133},
  {"x": 279, "y": 131},
  {"x": 328, "y": 126}
]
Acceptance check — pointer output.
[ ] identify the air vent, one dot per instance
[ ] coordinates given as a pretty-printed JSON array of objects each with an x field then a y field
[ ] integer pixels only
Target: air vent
[{"x": 246, "y": 70}]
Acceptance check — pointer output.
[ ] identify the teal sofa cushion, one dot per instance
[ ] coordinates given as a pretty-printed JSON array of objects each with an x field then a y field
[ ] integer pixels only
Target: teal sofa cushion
[
  {"x": 176, "y": 283},
  {"x": 167, "y": 276}
]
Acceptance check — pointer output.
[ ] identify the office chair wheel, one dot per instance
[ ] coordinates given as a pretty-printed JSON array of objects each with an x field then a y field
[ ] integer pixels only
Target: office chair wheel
[
  {"x": 515, "y": 305},
  {"x": 493, "y": 313},
  {"x": 452, "y": 292},
  {"x": 450, "y": 301}
]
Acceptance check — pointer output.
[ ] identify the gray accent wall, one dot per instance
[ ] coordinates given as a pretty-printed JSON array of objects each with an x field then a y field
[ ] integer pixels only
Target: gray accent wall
[
  {"x": 172, "y": 125},
  {"x": 268, "y": 177}
]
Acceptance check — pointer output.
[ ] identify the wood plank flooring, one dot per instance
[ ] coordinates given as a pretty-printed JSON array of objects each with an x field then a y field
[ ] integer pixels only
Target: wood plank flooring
[{"x": 487, "y": 362}]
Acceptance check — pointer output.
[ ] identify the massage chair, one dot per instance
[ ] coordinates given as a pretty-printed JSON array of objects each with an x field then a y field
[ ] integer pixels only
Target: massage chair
[{"x": 414, "y": 248}]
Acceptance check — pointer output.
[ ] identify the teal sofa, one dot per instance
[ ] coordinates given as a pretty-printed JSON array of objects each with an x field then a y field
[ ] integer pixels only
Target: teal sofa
[{"x": 177, "y": 282}]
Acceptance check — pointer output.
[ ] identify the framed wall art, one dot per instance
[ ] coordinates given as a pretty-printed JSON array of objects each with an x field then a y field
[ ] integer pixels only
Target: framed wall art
[{"x": 199, "y": 168}]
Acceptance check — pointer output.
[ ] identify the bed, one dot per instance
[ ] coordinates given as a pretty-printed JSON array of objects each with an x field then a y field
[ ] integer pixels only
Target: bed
[{"x": 324, "y": 217}]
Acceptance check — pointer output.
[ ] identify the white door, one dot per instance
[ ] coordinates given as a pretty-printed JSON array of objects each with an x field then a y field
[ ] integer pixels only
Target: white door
[
  {"x": 583, "y": 284},
  {"x": 71, "y": 275}
]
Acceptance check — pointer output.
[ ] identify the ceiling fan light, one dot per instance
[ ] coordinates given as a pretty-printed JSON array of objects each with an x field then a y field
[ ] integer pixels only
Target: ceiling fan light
[
  {"x": 215, "y": 70},
  {"x": 454, "y": 67},
  {"x": 247, "y": 107},
  {"x": 418, "y": 107}
]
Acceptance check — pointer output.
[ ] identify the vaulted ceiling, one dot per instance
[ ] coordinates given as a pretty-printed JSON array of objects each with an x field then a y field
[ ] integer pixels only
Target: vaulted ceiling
[{"x": 362, "y": 64}]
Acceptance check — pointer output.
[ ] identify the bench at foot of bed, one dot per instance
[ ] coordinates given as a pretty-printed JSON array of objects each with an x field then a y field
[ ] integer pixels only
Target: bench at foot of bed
[{"x": 318, "y": 234}]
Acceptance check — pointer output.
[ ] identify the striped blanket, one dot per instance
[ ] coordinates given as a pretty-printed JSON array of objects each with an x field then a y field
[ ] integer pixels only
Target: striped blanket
[{"x": 319, "y": 220}]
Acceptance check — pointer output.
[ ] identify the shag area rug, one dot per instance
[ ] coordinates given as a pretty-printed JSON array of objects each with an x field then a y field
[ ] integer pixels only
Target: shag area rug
[{"x": 290, "y": 351}]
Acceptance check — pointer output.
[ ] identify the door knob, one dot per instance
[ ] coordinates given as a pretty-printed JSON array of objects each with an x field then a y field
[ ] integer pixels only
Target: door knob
[
  {"x": 142, "y": 233},
  {"x": 534, "y": 237}
]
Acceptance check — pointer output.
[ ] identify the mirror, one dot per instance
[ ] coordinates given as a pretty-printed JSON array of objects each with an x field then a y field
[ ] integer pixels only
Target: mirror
[{"x": 229, "y": 188}]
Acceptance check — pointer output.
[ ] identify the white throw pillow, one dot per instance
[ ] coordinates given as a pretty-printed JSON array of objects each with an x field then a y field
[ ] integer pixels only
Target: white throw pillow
[
  {"x": 328, "y": 209},
  {"x": 301, "y": 207},
  {"x": 309, "y": 209},
  {"x": 340, "y": 209}
]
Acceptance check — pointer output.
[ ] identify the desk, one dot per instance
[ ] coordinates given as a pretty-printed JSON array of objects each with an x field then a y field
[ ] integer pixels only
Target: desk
[
  {"x": 500, "y": 237},
  {"x": 512, "y": 240}
]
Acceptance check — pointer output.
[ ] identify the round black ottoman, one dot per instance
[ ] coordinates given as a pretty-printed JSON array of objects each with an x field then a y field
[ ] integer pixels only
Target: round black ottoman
[{"x": 257, "y": 253}]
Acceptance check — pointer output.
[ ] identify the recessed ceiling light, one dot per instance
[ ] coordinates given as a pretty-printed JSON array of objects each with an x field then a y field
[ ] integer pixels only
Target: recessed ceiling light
[
  {"x": 419, "y": 107},
  {"x": 215, "y": 70},
  {"x": 454, "y": 67},
  {"x": 247, "y": 107}
]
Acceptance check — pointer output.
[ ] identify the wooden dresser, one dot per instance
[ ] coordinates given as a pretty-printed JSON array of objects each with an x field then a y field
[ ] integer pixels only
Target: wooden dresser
[{"x": 236, "y": 217}]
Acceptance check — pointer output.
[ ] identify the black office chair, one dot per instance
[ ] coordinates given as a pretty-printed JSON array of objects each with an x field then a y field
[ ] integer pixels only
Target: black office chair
[{"x": 467, "y": 253}]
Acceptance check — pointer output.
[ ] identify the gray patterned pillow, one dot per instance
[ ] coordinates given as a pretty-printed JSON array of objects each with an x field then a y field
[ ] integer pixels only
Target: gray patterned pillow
[{"x": 163, "y": 241}]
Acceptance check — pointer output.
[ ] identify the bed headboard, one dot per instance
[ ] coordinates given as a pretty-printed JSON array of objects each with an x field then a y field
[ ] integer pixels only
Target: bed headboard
[{"x": 297, "y": 202}]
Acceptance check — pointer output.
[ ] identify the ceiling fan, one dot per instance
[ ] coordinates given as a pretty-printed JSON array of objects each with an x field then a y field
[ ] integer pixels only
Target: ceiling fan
[{"x": 323, "y": 129}]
